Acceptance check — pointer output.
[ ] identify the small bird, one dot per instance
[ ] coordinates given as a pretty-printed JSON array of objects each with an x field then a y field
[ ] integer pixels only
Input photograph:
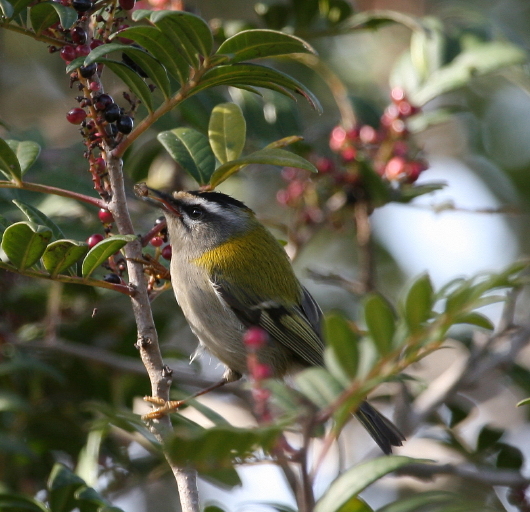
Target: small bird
[{"x": 229, "y": 273}]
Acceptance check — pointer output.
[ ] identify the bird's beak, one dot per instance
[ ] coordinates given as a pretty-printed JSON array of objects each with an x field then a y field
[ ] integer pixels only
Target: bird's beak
[{"x": 157, "y": 198}]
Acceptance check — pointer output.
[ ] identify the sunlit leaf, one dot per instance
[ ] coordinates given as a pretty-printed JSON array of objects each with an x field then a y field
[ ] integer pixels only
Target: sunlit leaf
[
  {"x": 26, "y": 151},
  {"x": 278, "y": 157},
  {"x": 191, "y": 150},
  {"x": 227, "y": 131},
  {"x": 419, "y": 302},
  {"x": 259, "y": 43},
  {"x": 9, "y": 164},
  {"x": 343, "y": 340},
  {"x": 104, "y": 250},
  {"x": 36, "y": 216},
  {"x": 353, "y": 481},
  {"x": 24, "y": 243},
  {"x": 45, "y": 14},
  {"x": 61, "y": 254},
  {"x": 380, "y": 320}
]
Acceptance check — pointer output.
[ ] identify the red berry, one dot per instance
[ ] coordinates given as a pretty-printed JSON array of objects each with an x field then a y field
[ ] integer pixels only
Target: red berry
[
  {"x": 76, "y": 116},
  {"x": 94, "y": 239},
  {"x": 261, "y": 371},
  {"x": 348, "y": 154},
  {"x": 166, "y": 252},
  {"x": 100, "y": 164},
  {"x": 105, "y": 216},
  {"x": 67, "y": 53},
  {"x": 401, "y": 148},
  {"x": 414, "y": 169},
  {"x": 255, "y": 337},
  {"x": 127, "y": 5},
  {"x": 95, "y": 43},
  {"x": 156, "y": 241},
  {"x": 82, "y": 50},
  {"x": 395, "y": 168},
  {"x": 324, "y": 165}
]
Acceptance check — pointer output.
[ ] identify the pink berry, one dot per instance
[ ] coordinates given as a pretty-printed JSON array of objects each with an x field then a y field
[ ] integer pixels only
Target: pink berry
[
  {"x": 261, "y": 371},
  {"x": 368, "y": 134},
  {"x": 105, "y": 216},
  {"x": 255, "y": 337},
  {"x": 289, "y": 173},
  {"x": 397, "y": 94},
  {"x": 94, "y": 86},
  {"x": 395, "y": 168},
  {"x": 260, "y": 394},
  {"x": 76, "y": 116},
  {"x": 94, "y": 239},
  {"x": 166, "y": 252},
  {"x": 283, "y": 197},
  {"x": 405, "y": 109},
  {"x": 156, "y": 241},
  {"x": 100, "y": 164},
  {"x": 337, "y": 138},
  {"x": 324, "y": 165},
  {"x": 67, "y": 53},
  {"x": 414, "y": 169}
]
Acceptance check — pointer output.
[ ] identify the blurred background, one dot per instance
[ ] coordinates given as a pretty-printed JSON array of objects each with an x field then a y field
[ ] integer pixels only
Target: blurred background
[{"x": 59, "y": 362}]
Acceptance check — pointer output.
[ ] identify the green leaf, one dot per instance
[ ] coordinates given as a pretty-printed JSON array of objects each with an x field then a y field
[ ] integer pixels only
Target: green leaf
[
  {"x": 355, "y": 504},
  {"x": 148, "y": 63},
  {"x": 37, "y": 217},
  {"x": 343, "y": 340},
  {"x": 432, "y": 501},
  {"x": 105, "y": 249},
  {"x": 259, "y": 76},
  {"x": 24, "y": 243},
  {"x": 61, "y": 254},
  {"x": 191, "y": 150},
  {"x": 6, "y": 8},
  {"x": 319, "y": 386},
  {"x": 132, "y": 80},
  {"x": 9, "y": 164},
  {"x": 190, "y": 34},
  {"x": 45, "y": 14},
  {"x": 26, "y": 152},
  {"x": 475, "y": 318},
  {"x": 62, "y": 485},
  {"x": 10, "y": 502},
  {"x": 158, "y": 44},
  {"x": 227, "y": 131},
  {"x": 380, "y": 321},
  {"x": 377, "y": 189},
  {"x": 19, "y": 6},
  {"x": 477, "y": 61},
  {"x": 356, "y": 479},
  {"x": 419, "y": 302},
  {"x": 279, "y": 157},
  {"x": 76, "y": 63},
  {"x": 259, "y": 44}
]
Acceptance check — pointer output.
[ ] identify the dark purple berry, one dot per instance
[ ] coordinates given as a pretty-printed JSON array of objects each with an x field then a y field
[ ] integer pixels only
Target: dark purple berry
[
  {"x": 112, "y": 113},
  {"x": 81, "y": 5},
  {"x": 127, "y": 5},
  {"x": 112, "y": 278},
  {"x": 88, "y": 71},
  {"x": 79, "y": 35},
  {"x": 103, "y": 101},
  {"x": 166, "y": 252},
  {"x": 67, "y": 53},
  {"x": 125, "y": 124}
]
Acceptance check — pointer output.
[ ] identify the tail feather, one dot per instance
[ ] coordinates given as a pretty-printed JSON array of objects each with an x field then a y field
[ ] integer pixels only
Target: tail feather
[{"x": 382, "y": 430}]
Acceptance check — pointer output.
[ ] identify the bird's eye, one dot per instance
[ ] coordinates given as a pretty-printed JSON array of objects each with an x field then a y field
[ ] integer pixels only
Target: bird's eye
[{"x": 196, "y": 212}]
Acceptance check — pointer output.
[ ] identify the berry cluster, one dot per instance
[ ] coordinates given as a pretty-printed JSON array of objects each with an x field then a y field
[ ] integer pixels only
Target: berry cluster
[{"x": 387, "y": 150}]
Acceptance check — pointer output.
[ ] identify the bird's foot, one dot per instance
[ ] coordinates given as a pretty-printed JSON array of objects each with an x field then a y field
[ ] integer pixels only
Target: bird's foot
[{"x": 166, "y": 407}]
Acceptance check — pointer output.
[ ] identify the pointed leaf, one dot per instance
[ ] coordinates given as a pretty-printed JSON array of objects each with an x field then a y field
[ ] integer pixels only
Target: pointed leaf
[
  {"x": 477, "y": 319},
  {"x": 191, "y": 150},
  {"x": 62, "y": 485},
  {"x": 419, "y": 302},
  {"x": 6, "y": 8},
  {"x": 148, "y": 63},
  {"x": 132, "y": 80},
  {"x": 105, "y": 249},
  {"x": 477, "y": 61},
  {"x": 258, "y": 44},
  {"x": 432, "y": 501},
  {"x": 38, "y": 217},
  {"x": 19, "y": 6},
  {"x": 24, "y": 243},
  {"x": 343, "y": 340},
  {"x": 26, "y": 151},
  {"x": 279, "y": 157},
  {"x": 160, "y": 46},
  {"x": 319, "y": 386},
  {"x": 9, "y": 164},
  {"x": 227, "y": 131},
  {"x": 380, "y": 321},
  {"x": 45, "y": 14},
  {"x": 255, "y": 75},
  {"x": 61, "y": 254},
  {"x": 76, "y": 63},
  {"x": 353, "y": 481},
  {"x": 190, "y": 34},
  {"x": 141, "y": 14},
  {"x": 11, "y": 502}
]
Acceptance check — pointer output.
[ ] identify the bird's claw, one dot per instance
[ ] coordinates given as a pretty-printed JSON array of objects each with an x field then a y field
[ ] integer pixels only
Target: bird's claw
[{"x": 166, "y": 407}]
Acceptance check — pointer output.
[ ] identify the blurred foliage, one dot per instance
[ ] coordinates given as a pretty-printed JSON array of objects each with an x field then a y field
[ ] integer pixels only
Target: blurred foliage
[{"x": 68, "y": 368}]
